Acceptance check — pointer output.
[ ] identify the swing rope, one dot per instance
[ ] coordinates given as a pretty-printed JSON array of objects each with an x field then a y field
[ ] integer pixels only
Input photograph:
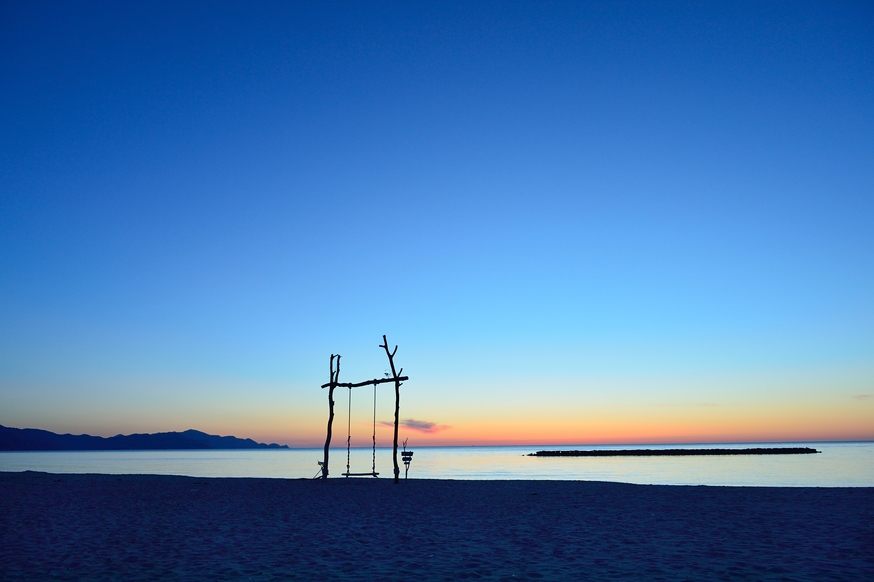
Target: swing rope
[
  {"x": 374, "y": 428},
  {"x": 348, "y": 431}
]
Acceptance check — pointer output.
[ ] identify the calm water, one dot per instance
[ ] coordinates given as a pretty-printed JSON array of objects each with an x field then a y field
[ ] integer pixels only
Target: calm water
[{"x": 839, "y": 464}]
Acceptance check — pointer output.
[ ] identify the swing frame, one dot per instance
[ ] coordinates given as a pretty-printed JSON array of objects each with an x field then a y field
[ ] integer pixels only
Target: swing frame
[{"x": 395, "y": 378}]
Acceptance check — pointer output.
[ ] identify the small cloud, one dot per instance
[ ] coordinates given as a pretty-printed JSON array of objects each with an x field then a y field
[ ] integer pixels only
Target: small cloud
[
  {"x": 678, "y": 404},
  {"x": 863, "y": 396},
  {"x": 425, "y": 426}
]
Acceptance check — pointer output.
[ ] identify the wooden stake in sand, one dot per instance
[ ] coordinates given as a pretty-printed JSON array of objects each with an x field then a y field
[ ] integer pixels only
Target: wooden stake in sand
[{"x": 334, "y": 383}]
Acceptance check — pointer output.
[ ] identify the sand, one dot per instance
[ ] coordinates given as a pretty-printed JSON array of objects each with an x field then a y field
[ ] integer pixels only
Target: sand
[{"x": 137, "y": 527}]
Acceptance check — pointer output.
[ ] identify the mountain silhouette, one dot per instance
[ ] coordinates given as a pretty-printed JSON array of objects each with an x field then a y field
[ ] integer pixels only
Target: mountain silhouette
[{"x": 34, "y": 439}]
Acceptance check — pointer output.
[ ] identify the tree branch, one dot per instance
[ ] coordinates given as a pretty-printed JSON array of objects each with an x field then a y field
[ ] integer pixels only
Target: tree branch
[{"x": 365, "y": 383}]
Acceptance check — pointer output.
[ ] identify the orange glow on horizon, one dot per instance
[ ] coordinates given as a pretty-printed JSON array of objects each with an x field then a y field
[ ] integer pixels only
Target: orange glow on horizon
[
  {"x": 747, "y": 420},
  {"x": 498, "y": 433}
]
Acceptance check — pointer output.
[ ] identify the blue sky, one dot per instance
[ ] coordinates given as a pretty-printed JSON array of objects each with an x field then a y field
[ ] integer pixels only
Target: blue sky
[{"x": 570, "y": 214}]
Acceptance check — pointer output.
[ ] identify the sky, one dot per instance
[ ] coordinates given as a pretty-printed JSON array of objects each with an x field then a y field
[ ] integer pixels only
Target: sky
[{"x": 581, "y": 222}]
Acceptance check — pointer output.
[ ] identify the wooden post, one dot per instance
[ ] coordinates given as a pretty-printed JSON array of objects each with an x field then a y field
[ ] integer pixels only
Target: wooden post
[
  {"x": 397, "y": 380},
  {"x": 331, "y": 385}
]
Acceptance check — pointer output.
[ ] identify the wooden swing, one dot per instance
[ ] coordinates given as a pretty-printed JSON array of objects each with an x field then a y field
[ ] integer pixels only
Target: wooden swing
[
  {"x": 396, "y": 378},
  {"x": 373, "y": 472}
]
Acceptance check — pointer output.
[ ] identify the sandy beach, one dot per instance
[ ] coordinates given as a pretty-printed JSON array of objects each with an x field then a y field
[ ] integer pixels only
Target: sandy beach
[{"x": 141, "y": 527}]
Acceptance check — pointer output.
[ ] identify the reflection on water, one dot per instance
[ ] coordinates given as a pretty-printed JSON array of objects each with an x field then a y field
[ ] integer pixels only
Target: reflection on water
[{"x": 839, "y": 464}]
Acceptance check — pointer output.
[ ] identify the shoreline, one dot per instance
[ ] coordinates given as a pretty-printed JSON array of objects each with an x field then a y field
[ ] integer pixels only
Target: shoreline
[
  {"x": 152, "y": 527},
  {"x": 387, "y": 478}
]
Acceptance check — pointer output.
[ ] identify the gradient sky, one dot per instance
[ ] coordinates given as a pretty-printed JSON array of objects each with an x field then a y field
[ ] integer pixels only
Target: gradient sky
[{"x": 583, "y": 222}]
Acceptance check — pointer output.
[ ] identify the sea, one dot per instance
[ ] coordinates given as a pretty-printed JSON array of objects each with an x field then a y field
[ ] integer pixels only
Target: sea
[{"x": 839, "y": 464}]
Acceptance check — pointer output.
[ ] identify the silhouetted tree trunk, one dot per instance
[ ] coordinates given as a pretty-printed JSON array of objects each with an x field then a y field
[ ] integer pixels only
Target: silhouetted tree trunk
[
  {"x": 397, "y": 379},
  {"x": 331, "y": 385}
]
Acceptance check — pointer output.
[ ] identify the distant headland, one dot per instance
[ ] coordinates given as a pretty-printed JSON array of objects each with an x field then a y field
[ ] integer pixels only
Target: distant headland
[{"x": 33, "y": 439}]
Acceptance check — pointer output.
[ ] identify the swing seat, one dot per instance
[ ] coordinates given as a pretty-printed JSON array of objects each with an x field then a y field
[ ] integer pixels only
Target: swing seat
[{"x": 374, "y": 474}]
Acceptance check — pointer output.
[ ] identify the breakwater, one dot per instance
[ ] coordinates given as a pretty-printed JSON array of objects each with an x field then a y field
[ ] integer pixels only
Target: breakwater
[{"x": 677, "y": 452}]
